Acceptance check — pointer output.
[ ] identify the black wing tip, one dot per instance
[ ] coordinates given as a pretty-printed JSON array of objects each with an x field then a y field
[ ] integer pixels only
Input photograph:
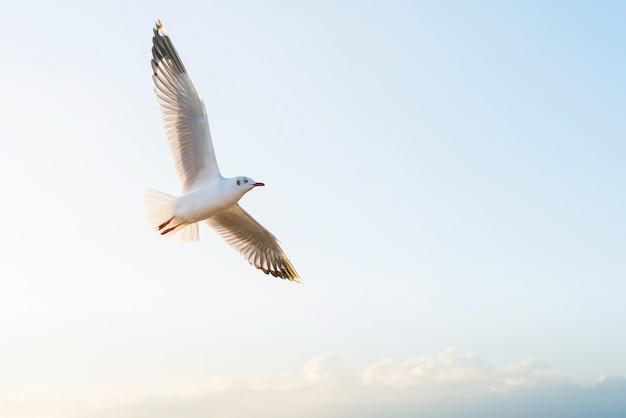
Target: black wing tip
[
  {"x": 163, "y": 49},
  {"x": 286, "y": 272},
  {"x": 295, "y": 279}
]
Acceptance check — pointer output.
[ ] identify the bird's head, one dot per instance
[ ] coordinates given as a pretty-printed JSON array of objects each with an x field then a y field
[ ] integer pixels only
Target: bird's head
[{"x": 246, "y": 183}]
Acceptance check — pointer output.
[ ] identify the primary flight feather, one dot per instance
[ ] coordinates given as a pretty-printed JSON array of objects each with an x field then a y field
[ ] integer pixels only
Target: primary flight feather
[{"x": 207, "y": 196}]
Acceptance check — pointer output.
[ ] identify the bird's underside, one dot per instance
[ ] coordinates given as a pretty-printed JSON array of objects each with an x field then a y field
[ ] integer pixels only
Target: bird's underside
[{"x": 190, "y": 144}]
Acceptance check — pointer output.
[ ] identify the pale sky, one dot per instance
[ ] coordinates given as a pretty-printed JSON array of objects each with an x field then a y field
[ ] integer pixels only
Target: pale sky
[{"x": 447, "y": 177}]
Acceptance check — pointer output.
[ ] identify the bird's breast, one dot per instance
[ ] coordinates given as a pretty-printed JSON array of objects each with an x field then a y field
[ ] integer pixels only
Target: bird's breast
[{"x": 203, "y": 203}]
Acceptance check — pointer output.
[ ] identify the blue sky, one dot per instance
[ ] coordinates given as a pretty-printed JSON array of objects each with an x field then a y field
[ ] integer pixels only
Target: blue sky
[{"x": 446, "y": 177}]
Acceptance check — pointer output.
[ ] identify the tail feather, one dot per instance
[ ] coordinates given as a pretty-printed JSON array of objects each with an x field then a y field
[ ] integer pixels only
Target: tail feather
[
  {"x": 159, "y": 207},
  {"x": 187, "y": 232},
  {"x": 160, "y": 211}
]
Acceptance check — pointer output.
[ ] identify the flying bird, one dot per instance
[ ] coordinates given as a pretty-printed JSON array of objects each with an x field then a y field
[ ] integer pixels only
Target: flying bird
[{"x": 206, "y": 195}]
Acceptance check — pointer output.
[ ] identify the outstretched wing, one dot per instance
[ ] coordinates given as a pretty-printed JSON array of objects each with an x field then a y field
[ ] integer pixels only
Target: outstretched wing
[
  {"x": 184, "y": 116},
  {"x": 254, "y": 242}
]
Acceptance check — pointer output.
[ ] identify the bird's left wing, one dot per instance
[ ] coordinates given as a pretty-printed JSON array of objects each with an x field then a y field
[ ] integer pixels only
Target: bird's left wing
[
  {"x": 254, "y": 242},
  {"x": 184, "y": 116}
]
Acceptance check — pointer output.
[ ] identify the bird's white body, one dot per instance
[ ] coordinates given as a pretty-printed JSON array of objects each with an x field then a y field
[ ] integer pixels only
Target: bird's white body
[
  {"x": 207, "y": 195},
  {"x": 207, "y": 201}
]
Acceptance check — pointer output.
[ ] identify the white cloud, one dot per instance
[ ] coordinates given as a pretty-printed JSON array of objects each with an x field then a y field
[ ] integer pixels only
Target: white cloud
[
  {"x": 326, "y": 370},
  {"x": 447, "y": 366},
  {"x": 446, "y": 385},
  {"x": 526, "y": 374}
]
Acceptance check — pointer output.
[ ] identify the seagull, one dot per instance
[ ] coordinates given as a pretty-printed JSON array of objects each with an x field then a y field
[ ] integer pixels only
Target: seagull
[{"x": 206, "y": 195}]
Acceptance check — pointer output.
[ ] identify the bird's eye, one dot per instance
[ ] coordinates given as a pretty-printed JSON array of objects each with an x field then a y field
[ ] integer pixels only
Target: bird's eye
[
  {"x": 238, "y": 182},
  {"x": 245, "y": 181}
]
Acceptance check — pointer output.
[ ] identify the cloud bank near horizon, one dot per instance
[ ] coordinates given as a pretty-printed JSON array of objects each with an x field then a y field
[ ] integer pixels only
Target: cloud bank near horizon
[{"x": 445, "y": 385}]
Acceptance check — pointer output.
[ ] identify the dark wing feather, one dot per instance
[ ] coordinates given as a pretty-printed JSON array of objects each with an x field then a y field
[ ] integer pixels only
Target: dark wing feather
[
  {"x": 184, "y": 116},
  {"x": 254, "y": 242}
]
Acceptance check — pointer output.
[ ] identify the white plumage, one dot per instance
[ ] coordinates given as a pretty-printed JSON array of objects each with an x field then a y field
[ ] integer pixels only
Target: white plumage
[{"x": 206, "y": 194}]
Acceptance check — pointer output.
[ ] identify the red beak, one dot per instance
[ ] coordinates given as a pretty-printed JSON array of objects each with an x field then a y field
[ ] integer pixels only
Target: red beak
[{"x": 259, "y": 184}]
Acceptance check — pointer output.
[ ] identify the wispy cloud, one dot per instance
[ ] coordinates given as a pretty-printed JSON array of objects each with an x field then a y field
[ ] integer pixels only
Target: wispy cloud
[
  {"x": 446, "y": 367},
  {"x": 444, "y": 385}
]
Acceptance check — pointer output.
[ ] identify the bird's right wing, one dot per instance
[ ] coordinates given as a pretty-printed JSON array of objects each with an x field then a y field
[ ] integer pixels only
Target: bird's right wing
[
  {"x": 254, "y": 242},
  {"x": 184, "y": 116}
]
